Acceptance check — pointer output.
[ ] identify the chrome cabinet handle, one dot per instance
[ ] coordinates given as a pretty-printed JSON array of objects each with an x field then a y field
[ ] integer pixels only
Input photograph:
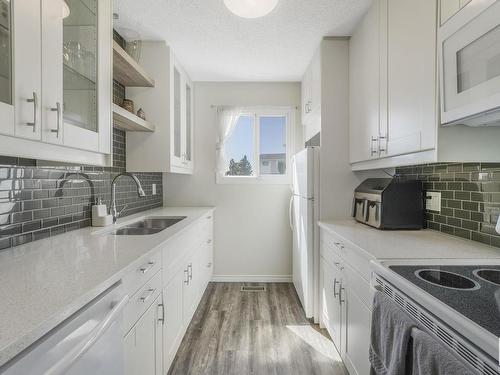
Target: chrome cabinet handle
[
  {"x": 340, "y": 294},
  {"x": 374, "y": 150},
  {"x": 58, "y": 110},
  {"x": 186, "y": 272},
  {"x": 190, "y": 272},
  {"x": 162, "y": 319},
  {"x": 335, "y": 282},
  {"x": 147, "y": 267},
  {"x": 151, "y": 291},
  {"x": 380, "y": 148},
  {"x": 33, "y": 100}
]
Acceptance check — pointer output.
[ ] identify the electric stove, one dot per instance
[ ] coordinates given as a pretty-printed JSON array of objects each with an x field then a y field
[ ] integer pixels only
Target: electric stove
[{"x": 473, "y": 291}]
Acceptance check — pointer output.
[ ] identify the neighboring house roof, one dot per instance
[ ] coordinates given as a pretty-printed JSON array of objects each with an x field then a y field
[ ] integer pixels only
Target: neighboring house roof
[{"x": 268, "y": 157}]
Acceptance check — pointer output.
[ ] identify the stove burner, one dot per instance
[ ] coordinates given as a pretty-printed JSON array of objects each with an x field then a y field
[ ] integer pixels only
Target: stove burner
[
  {"x": 446, "y": 279},
  {"x": 489, "y": 275}
]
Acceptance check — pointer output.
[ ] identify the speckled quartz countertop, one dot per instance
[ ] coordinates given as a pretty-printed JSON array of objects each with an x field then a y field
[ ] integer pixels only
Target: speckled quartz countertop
[
  {"x": 44, "y": 282},
  {"x": 408, "y": 244}
]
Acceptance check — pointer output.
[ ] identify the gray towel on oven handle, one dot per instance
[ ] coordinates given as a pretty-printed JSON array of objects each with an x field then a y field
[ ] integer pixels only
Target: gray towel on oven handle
[
  {"x": 390, "y": 336},
  {"x": 430, "y": 357}
]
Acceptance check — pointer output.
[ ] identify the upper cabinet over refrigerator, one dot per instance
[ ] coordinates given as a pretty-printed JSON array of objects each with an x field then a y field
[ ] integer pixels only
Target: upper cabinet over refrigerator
[{"x": 470, "y": 63}]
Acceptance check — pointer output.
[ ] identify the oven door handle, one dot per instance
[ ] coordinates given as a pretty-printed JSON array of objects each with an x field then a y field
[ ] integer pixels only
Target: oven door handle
[{"x": 78, "y": 351}]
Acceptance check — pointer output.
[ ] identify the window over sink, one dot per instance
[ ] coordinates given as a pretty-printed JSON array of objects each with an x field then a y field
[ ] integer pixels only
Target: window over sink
[{"x": 254, "y": 145}]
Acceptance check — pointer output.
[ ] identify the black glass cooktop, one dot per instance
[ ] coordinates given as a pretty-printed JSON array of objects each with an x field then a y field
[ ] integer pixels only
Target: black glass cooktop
[{"x": 473, "y": 291}]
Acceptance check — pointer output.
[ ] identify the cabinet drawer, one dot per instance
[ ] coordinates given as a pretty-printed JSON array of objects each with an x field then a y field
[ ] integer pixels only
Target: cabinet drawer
[
  {"x": 141, "y": 300},
  {"x": 351, "y": 254},
  {"x": 179, "y": 248},
  {"x": 331, "y": 255},
  {"x": 135, "y": 279}
]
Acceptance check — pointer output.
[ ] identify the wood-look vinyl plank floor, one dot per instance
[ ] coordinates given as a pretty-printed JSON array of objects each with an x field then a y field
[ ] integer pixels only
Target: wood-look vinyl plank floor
[{"x": 261, "y": 333}]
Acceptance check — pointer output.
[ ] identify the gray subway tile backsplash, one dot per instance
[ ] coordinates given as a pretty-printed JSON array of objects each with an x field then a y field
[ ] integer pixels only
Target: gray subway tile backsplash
[
  {"x": 470, "y": 198},
  {"x": 37, "y": 202}
]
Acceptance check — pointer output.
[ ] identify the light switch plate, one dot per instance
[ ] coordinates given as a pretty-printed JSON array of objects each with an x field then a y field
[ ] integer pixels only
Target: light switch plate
[
  {"x": 153, "y": 188},
  {"x": 433, "y": 201}
]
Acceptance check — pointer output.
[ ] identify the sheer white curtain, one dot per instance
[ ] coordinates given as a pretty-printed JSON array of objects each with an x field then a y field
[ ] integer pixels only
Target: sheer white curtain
[{"x": 226, "y": 122}]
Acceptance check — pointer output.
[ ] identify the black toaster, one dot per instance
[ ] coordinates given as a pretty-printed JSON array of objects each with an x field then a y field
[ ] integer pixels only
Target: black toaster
[{"x": 390, "y": 203}]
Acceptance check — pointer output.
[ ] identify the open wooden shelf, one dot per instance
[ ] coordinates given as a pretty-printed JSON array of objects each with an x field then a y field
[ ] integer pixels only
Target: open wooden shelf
[
  {"x": 126, "y": 71},
  {"x": 125, "y": 120}
]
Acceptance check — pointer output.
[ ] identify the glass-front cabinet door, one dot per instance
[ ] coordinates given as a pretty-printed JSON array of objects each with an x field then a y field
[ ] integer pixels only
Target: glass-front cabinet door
[
  {"x": 80, "y": 64},
  {"x": 76, "y": 73},
  {"x": 181, "y": 141},
  {"x": 6, "y": 107},
  {"x": 188, "y": 133},
  {"x": 176, "y": 142},
  {"x": 79, "y": 55}
]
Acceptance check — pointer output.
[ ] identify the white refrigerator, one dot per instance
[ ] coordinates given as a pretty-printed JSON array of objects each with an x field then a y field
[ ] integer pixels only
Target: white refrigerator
[{"x": 303, "y": 216}]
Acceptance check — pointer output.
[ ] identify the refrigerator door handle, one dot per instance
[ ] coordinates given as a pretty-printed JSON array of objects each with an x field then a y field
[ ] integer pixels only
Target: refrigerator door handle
[{"x": 290, "y": 217}]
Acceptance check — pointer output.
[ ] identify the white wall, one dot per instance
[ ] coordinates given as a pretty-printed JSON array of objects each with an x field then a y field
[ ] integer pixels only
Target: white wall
[{"x": 252, "y": 236}]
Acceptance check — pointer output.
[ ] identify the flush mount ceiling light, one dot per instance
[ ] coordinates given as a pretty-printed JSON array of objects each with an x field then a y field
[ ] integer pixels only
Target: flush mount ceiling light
[{"x": 251, "y": 8}]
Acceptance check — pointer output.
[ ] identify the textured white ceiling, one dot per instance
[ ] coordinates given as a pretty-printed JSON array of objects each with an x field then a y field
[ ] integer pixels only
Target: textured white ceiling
[{"x": 214, "y": 45}]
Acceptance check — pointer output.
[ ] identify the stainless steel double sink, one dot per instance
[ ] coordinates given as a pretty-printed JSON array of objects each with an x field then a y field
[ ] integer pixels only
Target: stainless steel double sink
[{"x": 148, "y": 225}]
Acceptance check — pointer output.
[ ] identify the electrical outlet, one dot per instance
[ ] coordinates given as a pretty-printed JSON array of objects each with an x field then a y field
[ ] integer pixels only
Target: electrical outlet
[
  {"x": 153, "y": 188},
  {"x": 433, "y": 201}
]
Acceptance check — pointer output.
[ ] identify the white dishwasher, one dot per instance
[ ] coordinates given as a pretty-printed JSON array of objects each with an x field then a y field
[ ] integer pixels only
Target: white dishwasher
[{"x": 89, "y": 342}]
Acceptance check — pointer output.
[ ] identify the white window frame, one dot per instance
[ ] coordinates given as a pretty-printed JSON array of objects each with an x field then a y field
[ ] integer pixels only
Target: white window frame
[{"x": 257, "y": 112}]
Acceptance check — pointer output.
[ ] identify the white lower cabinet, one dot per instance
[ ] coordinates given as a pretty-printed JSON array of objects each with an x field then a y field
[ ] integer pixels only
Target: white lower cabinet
[
  {"x": 331, "y": 307},
  {"x": 174, "y": 319},
  {"x": 192, "y": 286},
  {"x": 346, "y": 302},
  {"x": 154, "y": 333},
  {"x": 357, "y": 327},
  {"x": 143, "y": 343}
]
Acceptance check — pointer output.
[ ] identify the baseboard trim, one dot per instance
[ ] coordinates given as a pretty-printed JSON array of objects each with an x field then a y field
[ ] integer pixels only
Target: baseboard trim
[{"x": 252, "y": 278}]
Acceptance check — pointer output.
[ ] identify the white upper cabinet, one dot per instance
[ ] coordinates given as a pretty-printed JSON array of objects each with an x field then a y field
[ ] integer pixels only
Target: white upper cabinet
[
  {"x": 27, "y": 63},
  {"x": 182, "y": 119},
  {"x": 411, "y": 67},
  {"x": 393, "y": 85},
  {"x": 87, "y": 62},
  {"x": 60, "y": 94},
  {"x": 364, "y": 90},
  {"x": 311, "y": 98},
  {"x": 168, "y": 105},
  {"x": 52, "y": 72},
  {"x": 6, "y": 60}
]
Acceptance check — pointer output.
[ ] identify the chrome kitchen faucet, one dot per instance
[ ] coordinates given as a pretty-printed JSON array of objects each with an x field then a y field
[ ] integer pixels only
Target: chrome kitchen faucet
[{"x": 140, "y": 192}]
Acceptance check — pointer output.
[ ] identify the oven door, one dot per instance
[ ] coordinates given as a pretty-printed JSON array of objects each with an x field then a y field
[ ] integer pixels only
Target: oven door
[{"x": 470, "y": 71}]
